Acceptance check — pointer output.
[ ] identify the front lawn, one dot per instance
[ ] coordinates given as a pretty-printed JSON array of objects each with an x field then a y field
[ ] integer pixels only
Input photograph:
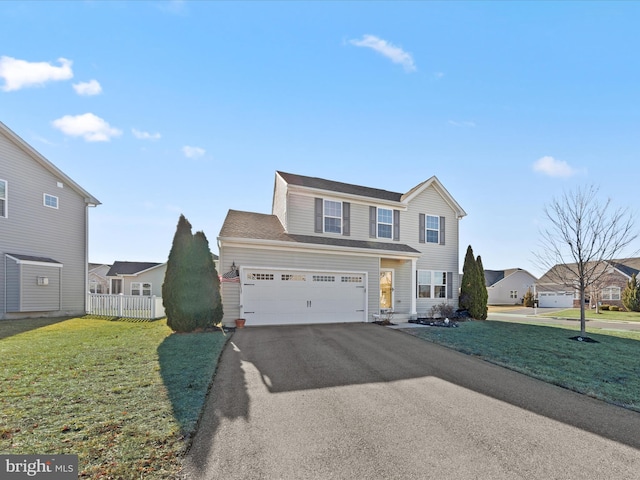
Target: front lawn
[
  {"x": 590, "y": 314},
  {"x": 609, "y": 370},
  {"x": 122, "y": 396}
]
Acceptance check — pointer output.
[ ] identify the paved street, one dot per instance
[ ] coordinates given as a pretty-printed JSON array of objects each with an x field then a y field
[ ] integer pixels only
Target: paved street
[{"x": 358, "y": 401}]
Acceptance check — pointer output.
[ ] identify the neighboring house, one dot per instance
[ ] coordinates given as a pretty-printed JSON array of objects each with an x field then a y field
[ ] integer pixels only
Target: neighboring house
[
  {"x": 608, "y": 290},
  {"x": 98, "y": 281},
  {"x": 507, "y": 287},
  {"x": 136, "y": 278},
  {"x": 43, "y": 234},
  {"x": 337, "y": 252}
]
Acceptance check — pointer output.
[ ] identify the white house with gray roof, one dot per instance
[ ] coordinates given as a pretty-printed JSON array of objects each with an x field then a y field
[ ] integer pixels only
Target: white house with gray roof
[
  {"x": 508, "y": 287},
  {"x": 43, "y": 234},
  {"x": 337, "y": 252}
]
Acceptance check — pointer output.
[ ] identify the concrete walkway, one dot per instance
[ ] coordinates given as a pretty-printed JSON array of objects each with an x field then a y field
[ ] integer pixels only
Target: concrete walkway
[{"x": 354, "y": 401}]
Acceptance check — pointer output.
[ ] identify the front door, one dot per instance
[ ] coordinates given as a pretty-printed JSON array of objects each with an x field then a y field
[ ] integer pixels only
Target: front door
[{"x": 386, "y": 289}]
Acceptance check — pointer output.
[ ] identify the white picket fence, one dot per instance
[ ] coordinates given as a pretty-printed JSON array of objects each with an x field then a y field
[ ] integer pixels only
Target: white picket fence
[{"x": 128, "y": 306}]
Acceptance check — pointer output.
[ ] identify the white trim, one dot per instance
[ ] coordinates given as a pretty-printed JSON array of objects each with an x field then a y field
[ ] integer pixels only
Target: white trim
[
  {"x": 6, "y": 198},
  {"x": 378, "y": 223},
  {"x": 44, "y": 201},
  {"x": 316, "y": 248},
  {"x": 364, "y": 273},
  {"x": 393, "y": 279}
]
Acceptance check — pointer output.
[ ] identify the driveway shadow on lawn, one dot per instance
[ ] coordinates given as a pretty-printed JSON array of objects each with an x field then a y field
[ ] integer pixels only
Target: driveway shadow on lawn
[{"x": 11, "y": 327}]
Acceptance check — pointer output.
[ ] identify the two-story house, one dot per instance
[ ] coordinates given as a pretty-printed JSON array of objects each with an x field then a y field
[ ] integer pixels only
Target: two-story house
[
  {"x": 336, "y": 252},
  {"x": 43, "y": 234}
]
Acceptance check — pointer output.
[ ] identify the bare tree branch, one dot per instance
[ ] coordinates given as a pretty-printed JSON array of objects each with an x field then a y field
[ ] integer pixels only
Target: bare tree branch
[{"x": 584, "y": 234}]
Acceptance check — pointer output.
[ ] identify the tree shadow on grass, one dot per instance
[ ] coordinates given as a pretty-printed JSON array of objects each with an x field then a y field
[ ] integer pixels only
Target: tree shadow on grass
[
  {"x": 188, "y": 362},
  {"x": 11, "y": 327}
]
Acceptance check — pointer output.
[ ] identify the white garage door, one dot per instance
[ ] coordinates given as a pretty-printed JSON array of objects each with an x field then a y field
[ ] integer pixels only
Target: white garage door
[
  {"x": 555, "y": 299},
  {"x": 280, "y": 297}
]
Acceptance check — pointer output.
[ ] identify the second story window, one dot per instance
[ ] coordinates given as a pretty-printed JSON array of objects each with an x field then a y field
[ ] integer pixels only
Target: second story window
[
  {"x": 385, "y": 223},
  {"x": 332, "y": 216},
  {"x": 432, "y": 234},
  {"x": 50, "y": 201},
  {"x": 3, "y": 198}
]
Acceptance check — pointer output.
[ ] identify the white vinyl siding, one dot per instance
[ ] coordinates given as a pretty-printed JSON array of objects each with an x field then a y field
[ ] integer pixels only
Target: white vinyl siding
[
  {"x": 31, "y": 229},
  {"x": 284, "y": 260}
]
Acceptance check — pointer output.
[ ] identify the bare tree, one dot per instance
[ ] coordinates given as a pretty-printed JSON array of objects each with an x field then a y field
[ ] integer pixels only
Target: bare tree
[{"x": 585, "y": 233}]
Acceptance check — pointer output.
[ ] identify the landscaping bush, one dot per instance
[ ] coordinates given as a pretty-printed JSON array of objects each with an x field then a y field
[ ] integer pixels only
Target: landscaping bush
[
  {"x": 443, "y": 310},
  {"x": 614, "y": 308},
  {"x": 604, "y": 307},
  {"x": 528, "y": 299}
]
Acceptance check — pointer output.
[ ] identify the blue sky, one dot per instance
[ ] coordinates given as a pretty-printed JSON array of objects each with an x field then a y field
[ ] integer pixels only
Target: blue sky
[{"x": 162, "y": 108}]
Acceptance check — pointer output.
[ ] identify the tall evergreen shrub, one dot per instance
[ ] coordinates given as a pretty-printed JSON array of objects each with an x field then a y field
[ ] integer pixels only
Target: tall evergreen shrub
[
  {"x": 631, "y": 295},
  {"x": 483, "y": 294},
  {"x": 467, "y": 285},
  {"x": 191, "y": 288}
]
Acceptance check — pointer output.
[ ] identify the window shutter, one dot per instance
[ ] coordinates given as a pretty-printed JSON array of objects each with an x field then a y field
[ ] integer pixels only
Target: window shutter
[
  {"x": 441, "y": 230},
  {"x": 373, "y": 222},
  {"x": 318, "y": 216},
  {"x": 346, "y": 218},
  {"x": 396, "y": 225},
  {"x": 422, "y": 229},
  {"x": 449, "y": 284}
]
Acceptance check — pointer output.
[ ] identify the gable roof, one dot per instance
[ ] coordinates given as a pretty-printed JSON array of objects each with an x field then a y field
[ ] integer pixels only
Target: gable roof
[
  {"x": 626, "y": 267},
  {"x": 332, "y": 186},
  {"x": 130, "y": 268},
  {"x": 493, "y": 277},
  {"x": 263, "y": 227},
  {"x": 376, "y": 193},
  {"x": 33, "y": 153}
]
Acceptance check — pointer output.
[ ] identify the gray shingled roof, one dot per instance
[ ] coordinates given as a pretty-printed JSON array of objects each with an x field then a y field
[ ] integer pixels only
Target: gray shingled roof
[
  {"x": 332, "y": 186},
  {"x": 239, "y": 224},
  {"x": 129, "y": 268},
  {"x": 492, "y": 277},
  {"x": 31, "y": 258}
]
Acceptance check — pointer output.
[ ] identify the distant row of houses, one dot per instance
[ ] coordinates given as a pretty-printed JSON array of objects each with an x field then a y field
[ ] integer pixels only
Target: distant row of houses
[{"x": 329, "y": 251}]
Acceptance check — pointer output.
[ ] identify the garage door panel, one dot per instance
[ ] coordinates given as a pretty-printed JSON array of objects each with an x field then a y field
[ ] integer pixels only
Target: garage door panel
[{"x": 280, "y": 297}]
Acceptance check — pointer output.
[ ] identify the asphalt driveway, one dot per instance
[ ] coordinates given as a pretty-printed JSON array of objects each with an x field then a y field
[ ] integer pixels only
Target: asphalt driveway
[{"x": 357, "y": 401}]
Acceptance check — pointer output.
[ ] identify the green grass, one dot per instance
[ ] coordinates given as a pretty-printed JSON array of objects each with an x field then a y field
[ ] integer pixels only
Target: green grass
[
  {"x": 609, "y": 370},
  {"x": 574, "y": 313},
  {"x": 123, "y": 396}
]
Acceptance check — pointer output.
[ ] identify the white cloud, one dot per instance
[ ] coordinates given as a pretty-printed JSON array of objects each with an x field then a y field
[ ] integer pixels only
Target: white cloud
[
  {"x": 92, "y": 87},
  {"x": 19, "y": 74},
  {"x": 553, "y": 168},
  {"x": 88, "y": 126},
  {"x": 393, "y": 53},
  {"x": 140, "y": 135},
  {"x": 193, "y": 152}
]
